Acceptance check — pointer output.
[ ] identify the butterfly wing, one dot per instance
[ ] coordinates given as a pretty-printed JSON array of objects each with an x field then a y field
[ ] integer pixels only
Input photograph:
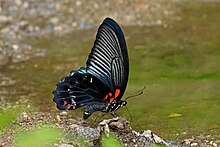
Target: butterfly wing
[
  {"x": 77, "y": 90},
  {"x": 105, "y": 76},
  {"x": 108, "y": 60}
]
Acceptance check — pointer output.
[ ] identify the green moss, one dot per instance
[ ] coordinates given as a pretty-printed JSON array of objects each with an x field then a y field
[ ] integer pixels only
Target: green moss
[
  {"x": 6, "y": 118},
  {"x": 110, "y": 140},
  {"x": 42, "y": 136}
]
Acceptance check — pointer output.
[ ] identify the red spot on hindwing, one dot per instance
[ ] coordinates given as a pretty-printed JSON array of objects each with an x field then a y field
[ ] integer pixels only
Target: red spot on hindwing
[
  {"x": 111, "y": 97},
  {"x": 64, "y": 103},
  {"x": 71, "y": 106},
  {"x": 106, "y": 97},
  {"x": 117, "y": 92}
]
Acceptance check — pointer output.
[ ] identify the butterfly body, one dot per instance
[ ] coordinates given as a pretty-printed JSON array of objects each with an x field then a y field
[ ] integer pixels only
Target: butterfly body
[{"x": 101, "y": 84}]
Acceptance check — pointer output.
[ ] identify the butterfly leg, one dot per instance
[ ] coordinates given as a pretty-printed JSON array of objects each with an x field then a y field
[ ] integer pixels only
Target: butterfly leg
[
  {"x": 92, "y": 108},
  {"x": 113, "y": 113}
]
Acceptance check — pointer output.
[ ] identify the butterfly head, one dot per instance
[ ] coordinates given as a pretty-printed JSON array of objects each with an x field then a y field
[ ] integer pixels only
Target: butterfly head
[{"x": 123, "y": 103}]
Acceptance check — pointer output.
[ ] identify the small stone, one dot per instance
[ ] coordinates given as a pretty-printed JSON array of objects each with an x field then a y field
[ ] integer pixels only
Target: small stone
[
  {"x": 66, "y": 145},
  {"x": 78, "y": 3},
  {"x": 187, "y": 141},
  {"x": 15, "y": 46},
  {"x": 159, "y": 22},
  {"x": 25, "y": 5},
  {"x": 215, "y": 144},
  {"x": 63, "y": 113},
  {"x": 58, "y": 28},
  {"x": 96, "y": 6},
  {"x": 4, "y": 19},
  {"x": 18, "y": 2},
  {"x": 194, "y": 144},
  {"x": 184, "y": 133},
  {"x": 54, "y": 20},
  {"x": 74, "y": 24},
  {"x": 58, "y": 118},
  {"x": 73, "y": 126},
  {"x": 25, "y": 115}
]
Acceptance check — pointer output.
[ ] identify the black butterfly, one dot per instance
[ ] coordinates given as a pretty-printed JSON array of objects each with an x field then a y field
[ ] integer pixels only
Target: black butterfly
[{"x": 101, "y": 84}]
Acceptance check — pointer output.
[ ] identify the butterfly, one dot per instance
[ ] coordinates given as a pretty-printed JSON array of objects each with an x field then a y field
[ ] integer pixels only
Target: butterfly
[{"x": 100, "y": 85}]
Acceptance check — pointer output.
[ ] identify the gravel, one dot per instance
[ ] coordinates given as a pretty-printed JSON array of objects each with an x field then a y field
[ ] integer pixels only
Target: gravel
[{"x": 22, "y": 19}]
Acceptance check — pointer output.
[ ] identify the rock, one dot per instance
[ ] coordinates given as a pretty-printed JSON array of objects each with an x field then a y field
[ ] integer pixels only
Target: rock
[
  {"x": 58, "y": 118},
  {"x": 24, "y": 114},
  {"x": 121, "y": 127},
  {"x": 194, "y": 144},
  {"x": 15, "y": 47},
  {"x": 65, "y": 145},
  {"x": 215, "y": 144},
  {"x": 5, "y": 19},
  {"x": 87, "y": 132},
  {"x": 54, "y": 20},
  {"x": 151, "y": 136},
  {"x": 73, "y": 126},
  {"x": 63, "y": 113}
]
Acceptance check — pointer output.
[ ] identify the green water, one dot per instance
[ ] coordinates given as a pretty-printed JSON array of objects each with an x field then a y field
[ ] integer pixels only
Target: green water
[{"x": 179, "y": 64}]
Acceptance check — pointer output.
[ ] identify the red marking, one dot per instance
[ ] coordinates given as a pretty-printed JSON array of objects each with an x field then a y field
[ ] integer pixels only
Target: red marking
[
  {"x": 117, "y": 92},
  {"x": 109, "y": 95},
  {"x": 112, "y": 99},
  {"x": 64, "y": 103},
  {"x": 74, "y": 107},
  {"x": 106, "y": 97}
]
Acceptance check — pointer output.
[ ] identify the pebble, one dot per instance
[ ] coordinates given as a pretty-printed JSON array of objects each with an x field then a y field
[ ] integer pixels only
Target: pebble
[
  {"x": 4, "y": 19},
  {"x": 73, "y": 126},
  {"x": 24, "y": 114},
  {"x": 54, "y": 20},
  {"x": 63, "y": 113},
  {"x": 65, "y": 145},
  {"x": 215, "y": 144},
  {"x": 58, "y": 118},
  {"x": 194, "y": 144}
]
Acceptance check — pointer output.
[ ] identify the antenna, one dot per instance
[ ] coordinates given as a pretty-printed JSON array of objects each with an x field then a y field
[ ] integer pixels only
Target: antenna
[{"x": 136, "y": 94}]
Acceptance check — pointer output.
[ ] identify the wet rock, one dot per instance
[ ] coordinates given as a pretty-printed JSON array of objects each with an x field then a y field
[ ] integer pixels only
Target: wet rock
[{"x": 120, "y": 126}]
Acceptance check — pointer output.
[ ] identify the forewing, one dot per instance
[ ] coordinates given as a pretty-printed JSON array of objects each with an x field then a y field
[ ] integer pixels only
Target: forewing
[{"x": 108, "y": 59}]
